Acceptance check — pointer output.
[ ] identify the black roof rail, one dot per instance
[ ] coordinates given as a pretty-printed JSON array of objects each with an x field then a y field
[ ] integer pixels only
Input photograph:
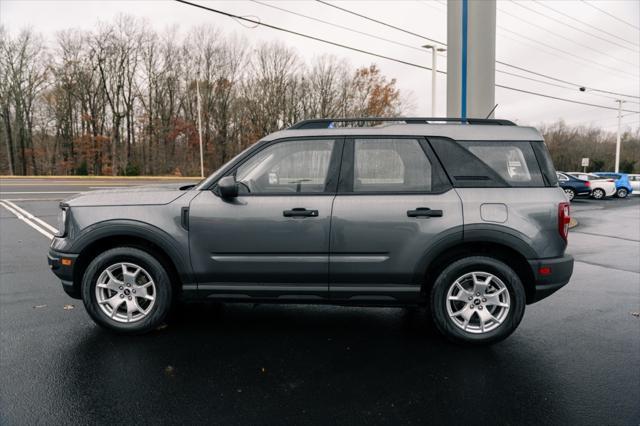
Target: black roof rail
[{"x": 328, "y": 123}]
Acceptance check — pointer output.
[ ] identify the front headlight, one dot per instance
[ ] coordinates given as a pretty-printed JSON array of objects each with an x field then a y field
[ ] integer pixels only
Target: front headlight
[{"x": 62, "y": 222}]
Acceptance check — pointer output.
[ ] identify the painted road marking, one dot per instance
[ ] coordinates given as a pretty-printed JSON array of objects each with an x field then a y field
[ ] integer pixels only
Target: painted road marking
[
  {"x": 69, "y": 184},
  {"x": 25, "y": 220},
  {"x": 31, "y": 217},
  {"x": 41, "y": 192}
]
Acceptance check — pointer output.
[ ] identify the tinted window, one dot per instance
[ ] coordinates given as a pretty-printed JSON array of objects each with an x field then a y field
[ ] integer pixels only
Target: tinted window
[
  {"x": 515, "y": 162},
  {"x": 287, "y": 167},
  {"x": 465, "y": 169},
  {"x": 545, "y": 163},
  {"x": 396, "y": 165}
]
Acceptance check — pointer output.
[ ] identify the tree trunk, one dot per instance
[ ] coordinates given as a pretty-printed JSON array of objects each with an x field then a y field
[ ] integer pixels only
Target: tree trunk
[{"x": 7, "y": 127}]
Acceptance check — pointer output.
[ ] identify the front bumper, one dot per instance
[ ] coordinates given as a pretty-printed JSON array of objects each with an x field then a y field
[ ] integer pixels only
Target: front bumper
[
  {"x": 62, "y": 264},
  {"x": 550, "y": 275}
]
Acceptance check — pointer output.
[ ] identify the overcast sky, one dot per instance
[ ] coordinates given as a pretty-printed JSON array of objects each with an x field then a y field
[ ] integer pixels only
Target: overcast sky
[{"x": 603, "y": 54}]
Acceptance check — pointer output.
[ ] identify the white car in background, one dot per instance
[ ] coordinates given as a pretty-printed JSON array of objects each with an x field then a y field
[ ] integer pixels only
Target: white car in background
[
  {"x": 600, "y": 187},
  {"x": 634, "y": 180}
]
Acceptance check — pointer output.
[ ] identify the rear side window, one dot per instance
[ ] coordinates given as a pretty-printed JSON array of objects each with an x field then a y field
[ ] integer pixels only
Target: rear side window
[
  {"x": 465, "y": 169},
  {"x": 491, "y": 163},
  {"x": 390, "y": 165},
  {"x": 515, "y": 162}
]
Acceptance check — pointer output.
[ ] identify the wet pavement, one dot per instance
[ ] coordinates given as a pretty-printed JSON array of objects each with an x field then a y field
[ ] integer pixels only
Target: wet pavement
[{"x": 575, "y": 359}]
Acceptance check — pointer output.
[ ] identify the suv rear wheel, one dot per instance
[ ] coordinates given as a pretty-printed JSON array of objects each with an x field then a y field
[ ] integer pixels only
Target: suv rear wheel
[
  {"x": 126, "y": 290},
  {"x": 477, "y": 300}
]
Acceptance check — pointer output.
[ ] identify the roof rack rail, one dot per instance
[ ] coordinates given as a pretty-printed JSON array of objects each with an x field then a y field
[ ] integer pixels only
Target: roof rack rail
[{"x": 328, "y": 123}]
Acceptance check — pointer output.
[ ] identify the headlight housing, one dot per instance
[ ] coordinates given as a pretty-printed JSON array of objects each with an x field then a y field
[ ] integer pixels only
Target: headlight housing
[{"x": 62, "y": 221}]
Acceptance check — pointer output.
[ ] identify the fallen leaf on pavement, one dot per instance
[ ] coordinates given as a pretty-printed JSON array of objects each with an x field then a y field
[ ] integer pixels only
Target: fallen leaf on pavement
[
  {"x": 635, "y": 314},
  {"x": 68, "y": 307},
  {"x": 170, "y": 371},
  {"x": 39, "y": 306}
]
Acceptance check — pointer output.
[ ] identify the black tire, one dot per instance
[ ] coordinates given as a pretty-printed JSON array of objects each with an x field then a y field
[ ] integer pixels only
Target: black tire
[
  {"x": 163, "y": 289},
  {"x": 457, "y": 269},
  {"x": 598, "y": 194},
  {"x": 622, "y": 193},
  {"x": 571, "y": 194}
]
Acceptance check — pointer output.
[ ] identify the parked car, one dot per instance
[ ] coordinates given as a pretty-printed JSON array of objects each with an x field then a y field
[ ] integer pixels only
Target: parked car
[
  {"x": 573, "y": 186},
  {"x": 600, "y": 187},
  {"x": 623, "y": 186},
  {"x": 634, "y": 180},
  {"x": 465, "y": 217}
]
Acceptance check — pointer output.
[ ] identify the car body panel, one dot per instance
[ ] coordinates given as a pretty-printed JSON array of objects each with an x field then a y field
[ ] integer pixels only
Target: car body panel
[
  {"x": 532, "y": 219},
  {"x": 247, "y": 243},
  {"x": 375, "y": 246}
]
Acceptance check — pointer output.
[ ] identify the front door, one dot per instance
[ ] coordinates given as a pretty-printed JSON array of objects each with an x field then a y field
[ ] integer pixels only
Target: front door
[
  {"x": 271, "y": 241},
  {"x": 394, "y": 204}
]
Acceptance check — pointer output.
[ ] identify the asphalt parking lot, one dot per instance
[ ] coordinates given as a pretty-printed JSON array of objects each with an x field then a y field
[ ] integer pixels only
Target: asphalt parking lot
[{"x": 575, "y": 359}]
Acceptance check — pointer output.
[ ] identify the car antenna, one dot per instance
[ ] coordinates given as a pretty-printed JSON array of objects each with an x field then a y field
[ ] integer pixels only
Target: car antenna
[{"x": 491, "y": 112}]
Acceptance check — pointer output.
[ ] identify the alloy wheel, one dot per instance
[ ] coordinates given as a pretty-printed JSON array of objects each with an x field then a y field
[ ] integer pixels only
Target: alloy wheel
[
  {"x": 125, "y": 292},
  {"x": 478, "y": 302}
]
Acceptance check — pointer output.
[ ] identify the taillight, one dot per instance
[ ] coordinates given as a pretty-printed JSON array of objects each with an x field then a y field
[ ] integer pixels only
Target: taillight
[
  {"x": 563, "y": 220},
  {"x": 610, "y": 180},
  {"x": 588, "y": 184}
]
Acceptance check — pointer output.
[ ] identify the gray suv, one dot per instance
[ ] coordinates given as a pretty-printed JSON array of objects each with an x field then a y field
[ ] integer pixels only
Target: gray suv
[{"x": 464, "y": 217}]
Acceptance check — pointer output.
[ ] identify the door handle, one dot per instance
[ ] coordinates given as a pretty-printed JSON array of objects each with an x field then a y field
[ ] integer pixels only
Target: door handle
[
  {"x": 300, "y": 212},
  {"x": 424, "y": 212}
]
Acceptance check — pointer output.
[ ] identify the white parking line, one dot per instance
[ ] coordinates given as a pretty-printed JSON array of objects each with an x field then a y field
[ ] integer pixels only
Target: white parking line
[
  {"x": 27, "y": 221},
  {"x": 40, "y": 192},
  {"x": 32, "y": 217}
]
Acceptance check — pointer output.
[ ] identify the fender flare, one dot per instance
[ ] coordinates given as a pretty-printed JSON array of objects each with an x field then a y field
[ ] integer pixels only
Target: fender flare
[
  {"x": 141, "y": 230},
  {"x": 477, "y": 233}
]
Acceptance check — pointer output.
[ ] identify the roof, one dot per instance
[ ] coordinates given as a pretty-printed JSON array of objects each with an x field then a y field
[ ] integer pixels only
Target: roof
[{"x": 456, "y": 131}]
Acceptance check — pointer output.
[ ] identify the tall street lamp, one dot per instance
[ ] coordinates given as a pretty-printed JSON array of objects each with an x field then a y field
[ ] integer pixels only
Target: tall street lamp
[{"x": 434, "y": 72}]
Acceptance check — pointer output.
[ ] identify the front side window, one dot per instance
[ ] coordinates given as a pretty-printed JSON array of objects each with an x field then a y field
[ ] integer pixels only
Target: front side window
[
  {"x": 562, "y": 177},
  {"x": 391, "y": 165},
  {"x": 287, "y": 167}
]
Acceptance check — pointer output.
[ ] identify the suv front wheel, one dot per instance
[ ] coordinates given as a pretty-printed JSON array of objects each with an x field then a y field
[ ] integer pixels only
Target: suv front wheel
[
  {"x": 477, "y": 300},
  {"x": 127, "y": 290}
]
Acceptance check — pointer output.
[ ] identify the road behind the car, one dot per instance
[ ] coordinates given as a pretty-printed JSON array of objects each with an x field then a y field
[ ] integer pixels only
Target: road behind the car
[{"x": 574, "y": 360}]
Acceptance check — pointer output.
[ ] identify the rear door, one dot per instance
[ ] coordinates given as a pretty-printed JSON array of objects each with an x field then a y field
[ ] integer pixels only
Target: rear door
[
  {"x": 394, "y": 204},
  {"x": 273, "y": 239}
]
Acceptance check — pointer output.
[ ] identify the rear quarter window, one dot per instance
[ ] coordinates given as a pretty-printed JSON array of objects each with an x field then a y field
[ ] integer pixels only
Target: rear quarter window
[
  {"x": 515, "y": 162},
  {"x": 493, "y": 163}
]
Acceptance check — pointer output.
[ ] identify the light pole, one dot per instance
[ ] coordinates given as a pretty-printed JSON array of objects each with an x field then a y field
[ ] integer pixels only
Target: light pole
[
  {"x": 200, "y": 126},
  {"x": 619, "y": 101},
  {"x": 434, "y": 72}
]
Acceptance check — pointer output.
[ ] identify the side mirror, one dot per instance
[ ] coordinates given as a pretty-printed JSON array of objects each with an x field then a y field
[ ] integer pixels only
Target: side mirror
[{"x": 228, "y": 187}]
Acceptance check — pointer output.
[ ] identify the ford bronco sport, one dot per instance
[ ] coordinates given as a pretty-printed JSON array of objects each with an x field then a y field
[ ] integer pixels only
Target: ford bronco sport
[{"x": 463, "y": 216}]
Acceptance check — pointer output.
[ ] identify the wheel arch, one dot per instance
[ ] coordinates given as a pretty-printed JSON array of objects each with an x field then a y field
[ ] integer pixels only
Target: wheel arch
[
  {"x": 108, "y": 235},
  {"x": 501, "y": 248}
]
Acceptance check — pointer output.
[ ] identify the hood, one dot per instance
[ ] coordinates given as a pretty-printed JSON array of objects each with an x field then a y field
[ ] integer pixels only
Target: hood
[{"x": 145, "y": 195}]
